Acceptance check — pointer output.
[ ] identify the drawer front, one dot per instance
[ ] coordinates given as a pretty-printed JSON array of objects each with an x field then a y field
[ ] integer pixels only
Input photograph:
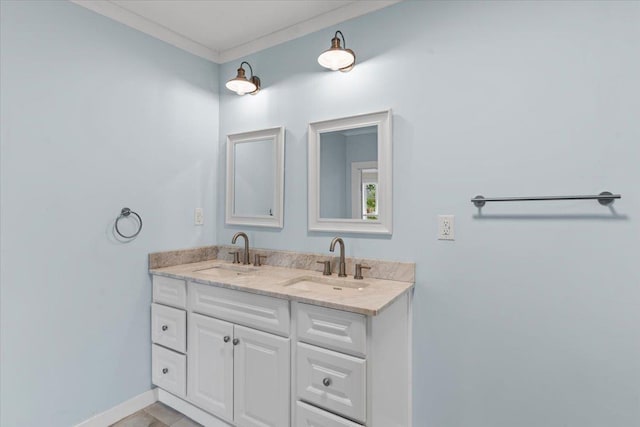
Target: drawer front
[
  {"x": 257, "y": 311},
  {"x": 169, "y": 327},
  {"x": 334, "y": 329},
  {"x": 170, "y": 291},
  {"x": 169, "y": 370},
  {"x": 310, "y": 416},
  {"x": 333, "y": 381}
]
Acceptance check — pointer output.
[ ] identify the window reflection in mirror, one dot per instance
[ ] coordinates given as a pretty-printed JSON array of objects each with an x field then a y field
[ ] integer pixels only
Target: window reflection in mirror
[
  {"x": 349, "y": 173},
  {"x": 369, "y": 200}
]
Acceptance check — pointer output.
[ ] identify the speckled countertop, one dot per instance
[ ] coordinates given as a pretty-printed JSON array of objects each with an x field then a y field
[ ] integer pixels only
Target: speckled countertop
[{"x": 368, "y": 296}]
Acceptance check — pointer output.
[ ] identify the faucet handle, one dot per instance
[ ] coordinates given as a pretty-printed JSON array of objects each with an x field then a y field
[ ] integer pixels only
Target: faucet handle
[
  {"x": 257, "y": 259},
  {"x": 236, "y": 257},
  {"x": 327, "y": 267},
  {"x": 359, "y": 267}
]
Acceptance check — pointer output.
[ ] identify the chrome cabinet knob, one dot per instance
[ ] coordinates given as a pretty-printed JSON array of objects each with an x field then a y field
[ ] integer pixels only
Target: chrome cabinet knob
[
  {"x": 236, "y": 341},
  {"x": 226, "y": 338},
  {"x": 165, "y": 327},
  {"x": 326, "y": 382},
  {"x": 165, "y": 370}
]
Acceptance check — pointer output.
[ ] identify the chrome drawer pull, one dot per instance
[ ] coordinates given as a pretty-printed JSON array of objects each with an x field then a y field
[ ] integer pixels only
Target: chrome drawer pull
[
  {"x": 326, "y": 382},
  {"x": 165, "y": 327},
  {"x": 165, "y": 370}
]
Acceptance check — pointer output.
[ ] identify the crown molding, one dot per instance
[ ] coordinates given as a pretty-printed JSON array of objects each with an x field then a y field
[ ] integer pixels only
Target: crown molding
[
  {"x": 333, "y": 17},
  {"x": 140, "y": 23}
]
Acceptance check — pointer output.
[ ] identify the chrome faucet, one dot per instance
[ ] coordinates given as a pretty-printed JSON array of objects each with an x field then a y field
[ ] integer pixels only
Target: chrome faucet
[
  {"x": 245, "y": 257},
  {"x": 341, "y": 266}
]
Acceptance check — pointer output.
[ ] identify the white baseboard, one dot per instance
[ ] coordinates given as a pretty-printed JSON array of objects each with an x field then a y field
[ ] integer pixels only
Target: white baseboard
[
  {"x": 122, "y": 410},
  {"x": 196, "y": 414}
]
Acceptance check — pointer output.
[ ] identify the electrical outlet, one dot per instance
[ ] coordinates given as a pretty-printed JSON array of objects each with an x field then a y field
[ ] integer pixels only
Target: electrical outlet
[
  {"x": 198, "y": 217},
  {"x": 445, "y": 227}
]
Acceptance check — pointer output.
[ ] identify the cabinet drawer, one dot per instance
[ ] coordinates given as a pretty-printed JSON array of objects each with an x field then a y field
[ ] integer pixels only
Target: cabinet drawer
[
  {"x": 169, "y": 370},
  {"x": 331, "y": 380},
  {"x": 257, "y": 311},
  {"x": 170, "y": 291},
  {"x": 169, "y": 327},
  {"x": 310, "y": 416},
  {"x": 334, "y": 329}
]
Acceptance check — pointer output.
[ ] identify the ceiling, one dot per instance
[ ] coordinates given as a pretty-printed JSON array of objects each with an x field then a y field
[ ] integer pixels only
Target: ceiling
[{"x": 223, "y": 30}]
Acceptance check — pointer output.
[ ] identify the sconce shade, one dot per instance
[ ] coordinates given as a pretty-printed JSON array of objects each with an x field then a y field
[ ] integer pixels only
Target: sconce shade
[
  {"x": 336, "y": 57},
  {"x": 241, "y": 85}
]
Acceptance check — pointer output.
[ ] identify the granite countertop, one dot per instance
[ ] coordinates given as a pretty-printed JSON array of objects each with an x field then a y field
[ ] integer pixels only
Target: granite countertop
[{"x": 368, "y": 296}]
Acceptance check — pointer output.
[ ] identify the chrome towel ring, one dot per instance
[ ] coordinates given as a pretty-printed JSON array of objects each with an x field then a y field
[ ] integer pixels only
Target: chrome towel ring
[{"x": 125, "y": 212}]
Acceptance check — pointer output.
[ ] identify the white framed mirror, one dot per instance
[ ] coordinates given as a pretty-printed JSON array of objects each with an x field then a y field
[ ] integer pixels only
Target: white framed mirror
[
  {"x": 350, "y": 174},
  {"x": 255, "y": 178}
]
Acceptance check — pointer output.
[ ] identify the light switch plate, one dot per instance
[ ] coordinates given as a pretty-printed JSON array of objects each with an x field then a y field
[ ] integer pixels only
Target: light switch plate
[
  {"x": 446, "y": 227},
  {"x": 198, "y": 217}
]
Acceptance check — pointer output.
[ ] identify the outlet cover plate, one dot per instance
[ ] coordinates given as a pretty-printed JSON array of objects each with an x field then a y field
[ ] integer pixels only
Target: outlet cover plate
[
  {"x": 446, "y": 227},
  {"x": 198, "y": 217}
]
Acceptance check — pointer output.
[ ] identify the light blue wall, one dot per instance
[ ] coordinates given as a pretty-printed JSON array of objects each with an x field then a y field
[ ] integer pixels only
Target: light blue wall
[
  {"x": 95, "y": 116},
  {"x": 522, "y": 321}
]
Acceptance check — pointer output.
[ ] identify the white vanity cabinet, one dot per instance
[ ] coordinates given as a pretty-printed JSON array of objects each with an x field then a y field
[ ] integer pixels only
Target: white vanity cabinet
[
  {"x": 229, "y": 358},
  {"x": 353, "y": 370},
  {"x": 169, "y": 335},
  {"x": 238, "y": 367},
  {"x": 238, "y": 373},
  {"x": 222, "y": 353}
]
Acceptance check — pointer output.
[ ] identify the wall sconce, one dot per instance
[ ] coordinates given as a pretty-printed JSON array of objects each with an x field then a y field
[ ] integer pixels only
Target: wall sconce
[
  {"x": 241, "y": 85},
  {"x": 336, "y": 57}
]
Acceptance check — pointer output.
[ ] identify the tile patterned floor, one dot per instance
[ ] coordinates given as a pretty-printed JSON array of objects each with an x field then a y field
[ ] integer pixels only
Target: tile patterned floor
[{"x": 156, "y": 415}]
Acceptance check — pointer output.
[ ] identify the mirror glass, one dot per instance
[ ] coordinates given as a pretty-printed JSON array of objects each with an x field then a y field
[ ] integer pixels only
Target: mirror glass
[
  {"x": 254, "y": 166},
  {"x": 255, "y": 173},
  {"x": 350, "y": 174}
]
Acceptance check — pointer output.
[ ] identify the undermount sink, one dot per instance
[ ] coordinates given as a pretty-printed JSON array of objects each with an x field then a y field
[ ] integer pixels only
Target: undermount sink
[
  {"x": 224, "y": 271},
  {"x": 327, "y": 286}
]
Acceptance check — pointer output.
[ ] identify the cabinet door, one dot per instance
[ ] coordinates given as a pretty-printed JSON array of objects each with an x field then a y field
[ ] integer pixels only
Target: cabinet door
[
  {"x": 210, "y": 365},
  {"x": 262, "y": 379}
]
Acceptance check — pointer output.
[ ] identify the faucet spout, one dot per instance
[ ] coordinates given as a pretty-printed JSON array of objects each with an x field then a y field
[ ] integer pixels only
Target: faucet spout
[
  {"x": 342, "y": 265},
  {"x": 245, "y": 257}
]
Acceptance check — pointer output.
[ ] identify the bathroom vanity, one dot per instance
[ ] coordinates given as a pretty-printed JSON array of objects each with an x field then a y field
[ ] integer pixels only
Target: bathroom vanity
[{"x": 240, "y": 345}]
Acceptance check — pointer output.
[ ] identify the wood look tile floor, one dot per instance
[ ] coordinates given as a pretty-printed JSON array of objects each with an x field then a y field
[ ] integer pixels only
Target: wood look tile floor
[{"x": 156, "y": 415}]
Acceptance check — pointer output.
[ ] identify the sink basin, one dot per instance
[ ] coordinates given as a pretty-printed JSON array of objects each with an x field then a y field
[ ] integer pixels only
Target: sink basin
[
  {"x": 225, "y": 271},
  {"x": 327, "y": 286}
]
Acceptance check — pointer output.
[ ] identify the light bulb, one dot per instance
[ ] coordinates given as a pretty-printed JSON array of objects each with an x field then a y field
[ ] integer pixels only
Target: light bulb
[{"x": 336, "y": 59}]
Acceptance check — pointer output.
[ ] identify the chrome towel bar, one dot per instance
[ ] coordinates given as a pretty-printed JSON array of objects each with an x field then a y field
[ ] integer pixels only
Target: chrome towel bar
[{"x": 605, "y": 198}]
